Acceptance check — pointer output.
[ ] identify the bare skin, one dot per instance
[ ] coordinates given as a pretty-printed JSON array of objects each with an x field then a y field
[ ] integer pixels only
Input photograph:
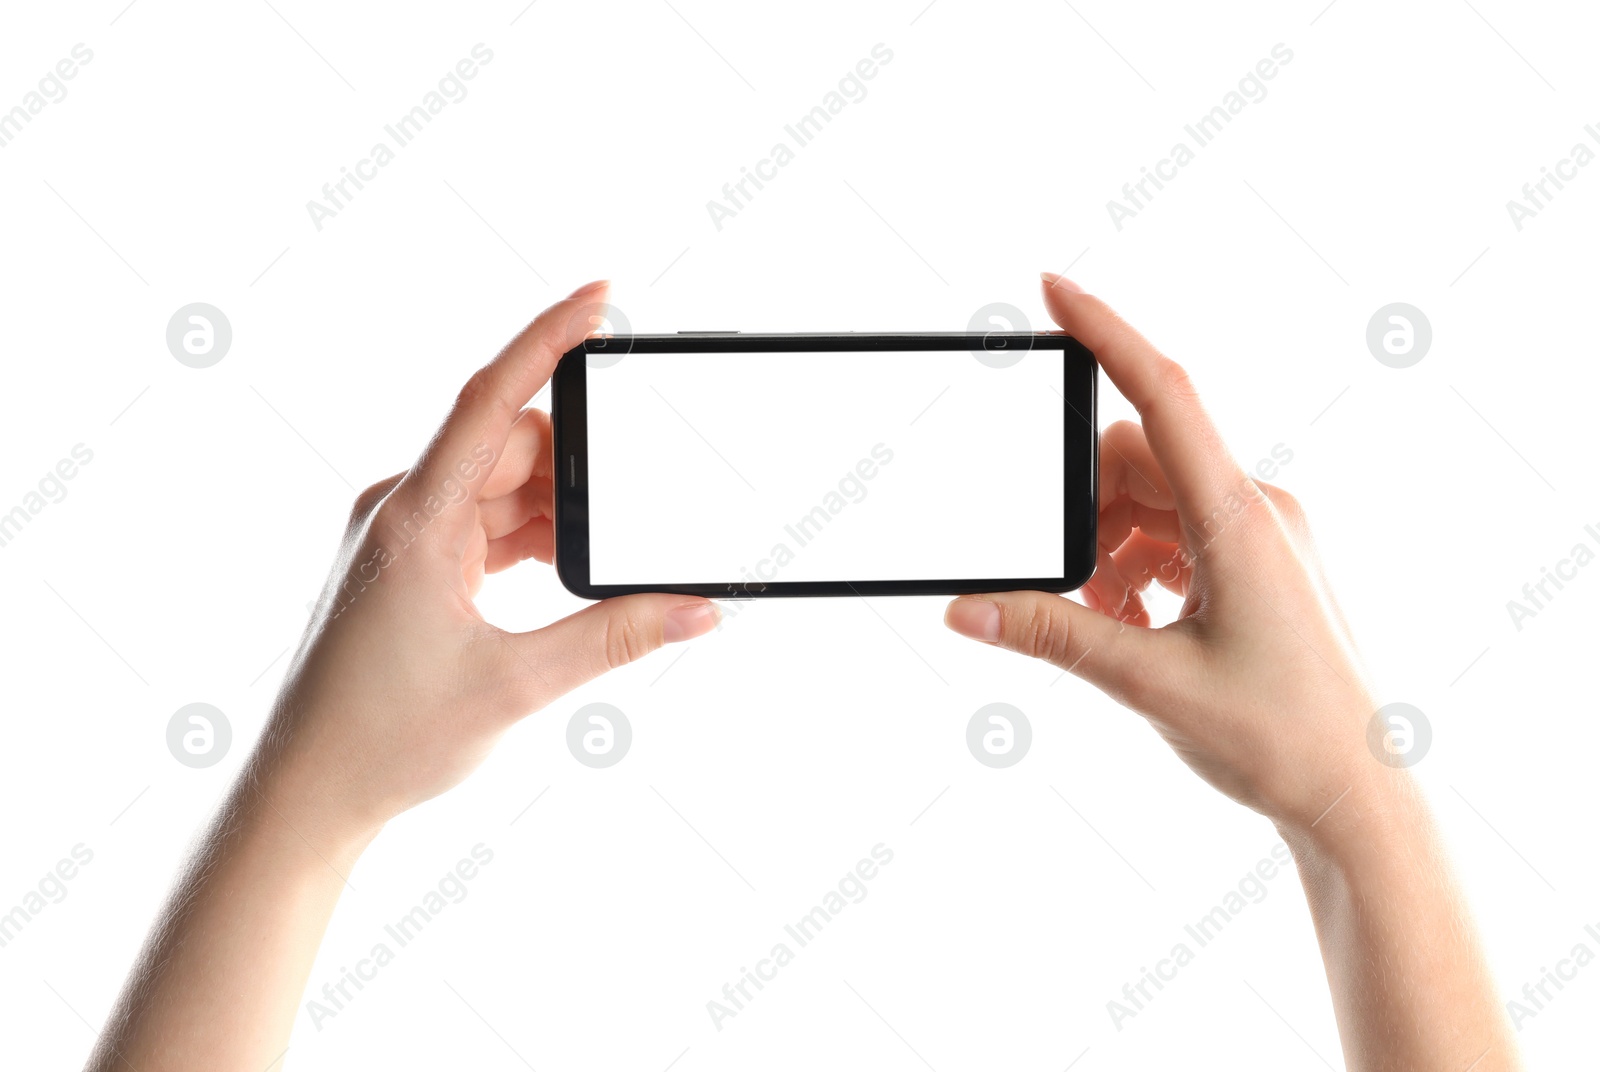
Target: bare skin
[
  {"x": 400, "y": 689},
  {"x": 1258, "y": 687}
]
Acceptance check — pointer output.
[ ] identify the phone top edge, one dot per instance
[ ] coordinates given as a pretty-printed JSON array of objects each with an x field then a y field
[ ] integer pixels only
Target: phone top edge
[
  {"x": 735, "y": 341},
  {"x": 847, "y": 334}
]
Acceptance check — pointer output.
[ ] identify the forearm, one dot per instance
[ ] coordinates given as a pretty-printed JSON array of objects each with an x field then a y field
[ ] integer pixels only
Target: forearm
[
  {"x": 1410, "y": 985},
  {"x": 393, "y": 698},
  {"x": 220, "y": 977}
]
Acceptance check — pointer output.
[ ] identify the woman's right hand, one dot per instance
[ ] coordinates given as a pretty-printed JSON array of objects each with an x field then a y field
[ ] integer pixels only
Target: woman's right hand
[{"x": 1257, "y": 684}]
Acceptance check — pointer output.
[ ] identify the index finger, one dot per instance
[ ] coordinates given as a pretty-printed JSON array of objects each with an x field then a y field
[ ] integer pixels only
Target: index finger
[
  {"x": 484, "y": 412},
  {"x": 1202, "y": 472}
]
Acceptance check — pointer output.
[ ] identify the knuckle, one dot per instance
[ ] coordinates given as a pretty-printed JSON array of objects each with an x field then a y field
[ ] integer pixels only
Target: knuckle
[
  {"x": 483, "y": 395},
  {"x": 370, "y": 499},
  {"x": 626, "y": 639},
  {"x": 1174, "y": 381},
  {"x": 1239, "y": 514},
  {"x": 389, "y": 515},
  {"x": 1284, "y": 502},
  {"x": 395, "y": 523},
  {"x": 1042, "y": 632},
  {"x": 476, "y": 387}
]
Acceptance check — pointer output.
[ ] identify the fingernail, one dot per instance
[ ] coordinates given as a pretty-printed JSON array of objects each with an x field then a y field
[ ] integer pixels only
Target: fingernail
[
  {"x": 689, "y": 620},
  {"x": 1056, "y": 279},
  {"x": 589, "y": 288},
  {"x": 975, "y": 618}
]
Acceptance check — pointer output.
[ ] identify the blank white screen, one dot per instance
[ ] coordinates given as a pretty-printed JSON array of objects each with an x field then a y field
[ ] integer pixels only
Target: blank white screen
[{"x": 876, "y": 465}]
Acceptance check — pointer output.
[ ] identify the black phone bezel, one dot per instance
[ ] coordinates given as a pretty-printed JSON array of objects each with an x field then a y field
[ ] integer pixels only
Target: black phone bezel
[{"x": 569, "y": 413}]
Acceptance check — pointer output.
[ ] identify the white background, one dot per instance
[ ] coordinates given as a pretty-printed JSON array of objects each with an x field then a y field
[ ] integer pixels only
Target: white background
[
  {"x": 923, "y": 465},
  {"x": 179, "y": 567}
]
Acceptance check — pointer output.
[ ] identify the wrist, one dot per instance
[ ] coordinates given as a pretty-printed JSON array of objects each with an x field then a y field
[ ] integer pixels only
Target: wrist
[
  {"x": 281, "y": 804},
  {"x": 1378, "y": 816}
]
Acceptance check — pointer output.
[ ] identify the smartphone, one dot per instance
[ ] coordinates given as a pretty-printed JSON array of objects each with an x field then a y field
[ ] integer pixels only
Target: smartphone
[{"x": 741, "y": 466}]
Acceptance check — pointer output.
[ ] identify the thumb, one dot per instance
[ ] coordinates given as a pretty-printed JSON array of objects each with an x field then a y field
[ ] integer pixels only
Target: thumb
[
  {"x": 1103, "y": 651},
  {"x": 612, "y": 633}
]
